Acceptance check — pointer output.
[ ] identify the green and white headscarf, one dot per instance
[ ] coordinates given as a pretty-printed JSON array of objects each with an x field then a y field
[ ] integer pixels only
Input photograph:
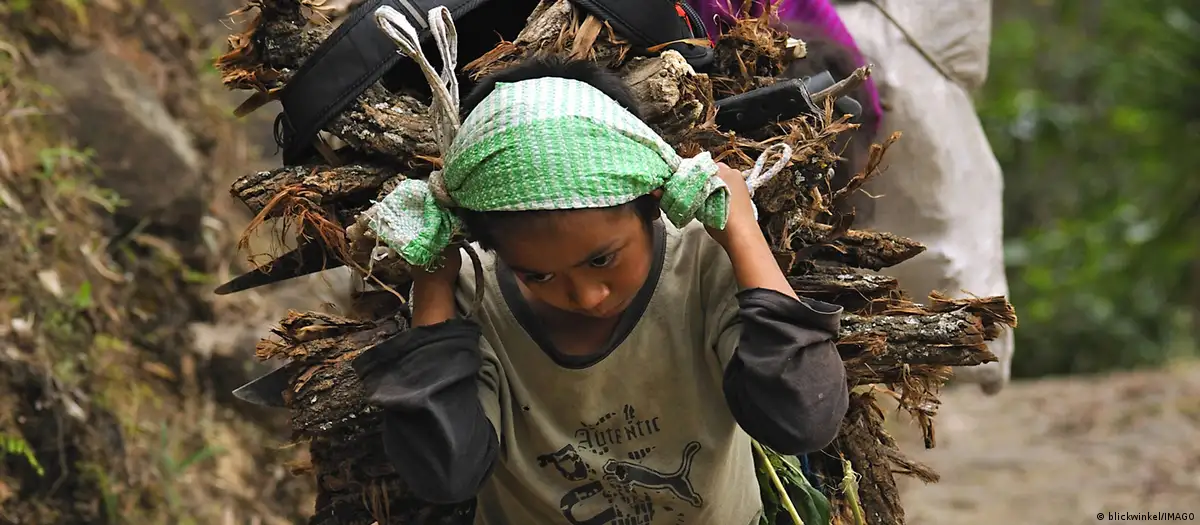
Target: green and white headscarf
[
  {"x": 541, "y": 144},
  {"x": 547, "y": 144}
]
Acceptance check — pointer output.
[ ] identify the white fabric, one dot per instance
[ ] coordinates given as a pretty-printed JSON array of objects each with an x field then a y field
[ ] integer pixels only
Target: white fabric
[
  {"x": 759, "y": 175},
  {"x": 942, "y": 186},
  {"x": 444, "y": 86}
]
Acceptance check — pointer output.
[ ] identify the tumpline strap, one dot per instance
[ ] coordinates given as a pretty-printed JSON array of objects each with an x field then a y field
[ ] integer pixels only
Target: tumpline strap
[{"x": 357, "y": 54}]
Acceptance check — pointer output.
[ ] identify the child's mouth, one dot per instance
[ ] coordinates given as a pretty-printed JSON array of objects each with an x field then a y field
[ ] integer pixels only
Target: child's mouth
[{"x": 608, "y": 312}]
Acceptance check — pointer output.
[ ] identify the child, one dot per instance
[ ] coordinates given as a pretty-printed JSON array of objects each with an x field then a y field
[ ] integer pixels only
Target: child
[{"x": 619, "y": 364}]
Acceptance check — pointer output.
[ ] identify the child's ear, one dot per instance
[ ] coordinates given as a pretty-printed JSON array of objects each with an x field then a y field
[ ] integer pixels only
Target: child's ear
[{"x": 657, "y": 194}]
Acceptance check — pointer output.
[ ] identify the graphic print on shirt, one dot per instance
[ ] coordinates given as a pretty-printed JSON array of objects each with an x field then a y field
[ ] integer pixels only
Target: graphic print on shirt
[{"x": 621, "y": 491}]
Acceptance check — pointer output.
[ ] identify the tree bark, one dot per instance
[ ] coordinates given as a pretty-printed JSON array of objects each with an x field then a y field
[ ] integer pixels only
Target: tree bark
[
  {"x": 852, "y": 288},
  {"x": 855, "y": 248},
  {"x": 352, "y": 185}
]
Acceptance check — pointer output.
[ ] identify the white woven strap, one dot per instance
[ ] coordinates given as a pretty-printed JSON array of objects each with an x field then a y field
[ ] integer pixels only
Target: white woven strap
[
  {"x": 757, "y": 176},
  {"x": 444, "y": 109}
]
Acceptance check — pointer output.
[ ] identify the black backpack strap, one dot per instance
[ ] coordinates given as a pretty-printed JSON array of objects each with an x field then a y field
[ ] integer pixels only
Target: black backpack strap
[
  {"x": 649, "y": 23},
  {"x": 355, "y": 56}
]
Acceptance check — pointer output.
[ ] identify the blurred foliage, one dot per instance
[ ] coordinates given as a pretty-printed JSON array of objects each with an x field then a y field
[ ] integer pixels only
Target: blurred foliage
[{"x": 1092, "y": 110}]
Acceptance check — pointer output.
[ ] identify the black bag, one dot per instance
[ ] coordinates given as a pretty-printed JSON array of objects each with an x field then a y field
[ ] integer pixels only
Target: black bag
[{"x": 357, "y": 54}]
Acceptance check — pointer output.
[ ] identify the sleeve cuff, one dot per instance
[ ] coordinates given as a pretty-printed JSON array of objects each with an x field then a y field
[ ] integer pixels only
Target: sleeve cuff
[
  {"x": 809, "y": 313},
  {"x": 409, "y": 341}
]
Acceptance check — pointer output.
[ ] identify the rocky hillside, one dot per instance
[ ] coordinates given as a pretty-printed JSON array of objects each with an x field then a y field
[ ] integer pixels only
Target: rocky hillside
[{"x": 116, "y": 151}]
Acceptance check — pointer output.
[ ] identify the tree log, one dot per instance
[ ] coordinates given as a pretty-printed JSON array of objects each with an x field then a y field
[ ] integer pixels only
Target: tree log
[
  {"x": 357, "y": 483},
  {"x": 552, "y": 29},
  {"x": 885, "y": 349},
  {"x": 274, "y": 44},
  {"x": 673, "y": 98},
  {"x": 855, "y": 248},
  {"x": 358, "y": 486},
  {"x": 344, "y": 185},
  {"x": 851, "y": 288},
  {"x": 394, "y": 125}
]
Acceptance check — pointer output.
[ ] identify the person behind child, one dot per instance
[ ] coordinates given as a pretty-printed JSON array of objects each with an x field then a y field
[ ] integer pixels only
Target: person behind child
[
  {"x": 619, "y": 364},
  {"x": 943, "y": 186}
]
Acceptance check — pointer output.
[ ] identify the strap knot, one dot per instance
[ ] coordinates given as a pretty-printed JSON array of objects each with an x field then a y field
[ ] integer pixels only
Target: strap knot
[{"x": 438, "y": 190}]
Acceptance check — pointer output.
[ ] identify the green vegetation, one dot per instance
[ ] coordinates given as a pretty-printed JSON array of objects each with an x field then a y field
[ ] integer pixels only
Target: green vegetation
[
  {"x": 1091, "y": 109},
  {"x": 17, "y": 446}
]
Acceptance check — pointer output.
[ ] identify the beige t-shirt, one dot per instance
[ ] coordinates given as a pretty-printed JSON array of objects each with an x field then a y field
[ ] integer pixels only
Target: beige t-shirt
[{"x": 644, "y": 435}]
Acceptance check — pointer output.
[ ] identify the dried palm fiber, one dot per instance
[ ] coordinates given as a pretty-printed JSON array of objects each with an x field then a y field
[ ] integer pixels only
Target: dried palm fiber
[{"x": 890, "y": 344}]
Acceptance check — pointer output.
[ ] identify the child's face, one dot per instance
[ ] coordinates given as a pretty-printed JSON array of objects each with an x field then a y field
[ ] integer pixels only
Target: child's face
[{"x": 589, "y": 262}]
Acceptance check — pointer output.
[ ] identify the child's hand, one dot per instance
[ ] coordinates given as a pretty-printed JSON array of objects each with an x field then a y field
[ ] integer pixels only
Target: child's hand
[
  {"x": 741, "y": 212},
  {"x": 446, "y": 274},
  {"x": 433, "y": 292}
]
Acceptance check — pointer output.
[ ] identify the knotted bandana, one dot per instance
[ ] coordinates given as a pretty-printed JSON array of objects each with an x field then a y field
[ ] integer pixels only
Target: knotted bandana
[{"x": 546, "y": 144}]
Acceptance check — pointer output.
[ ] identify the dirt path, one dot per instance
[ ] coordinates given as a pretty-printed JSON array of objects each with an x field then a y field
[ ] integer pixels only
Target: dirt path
[{"x": 1061, "y": 451}]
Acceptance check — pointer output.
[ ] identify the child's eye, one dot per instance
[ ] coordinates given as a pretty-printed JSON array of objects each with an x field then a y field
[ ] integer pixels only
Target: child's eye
[
  {"x": 603, "y": 260},
  {"x": 538, "y": 278}
]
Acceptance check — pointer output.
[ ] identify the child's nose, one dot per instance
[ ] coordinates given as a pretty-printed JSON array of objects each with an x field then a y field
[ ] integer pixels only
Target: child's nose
[{"x": 589, "y": 296}]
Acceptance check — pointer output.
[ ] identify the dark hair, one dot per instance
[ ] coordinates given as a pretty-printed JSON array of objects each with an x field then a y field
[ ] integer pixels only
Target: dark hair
[
  {"x": 483, "y": 226},
  {"x": 826, "y": 54}
]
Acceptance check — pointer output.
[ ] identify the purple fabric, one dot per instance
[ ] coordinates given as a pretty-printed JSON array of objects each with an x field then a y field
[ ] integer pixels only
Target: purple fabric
[{"x": 817, "y": 13}]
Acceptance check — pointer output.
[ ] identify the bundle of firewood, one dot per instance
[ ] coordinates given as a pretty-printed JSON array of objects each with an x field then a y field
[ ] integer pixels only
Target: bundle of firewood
[{"x": 890, "y": 345}]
